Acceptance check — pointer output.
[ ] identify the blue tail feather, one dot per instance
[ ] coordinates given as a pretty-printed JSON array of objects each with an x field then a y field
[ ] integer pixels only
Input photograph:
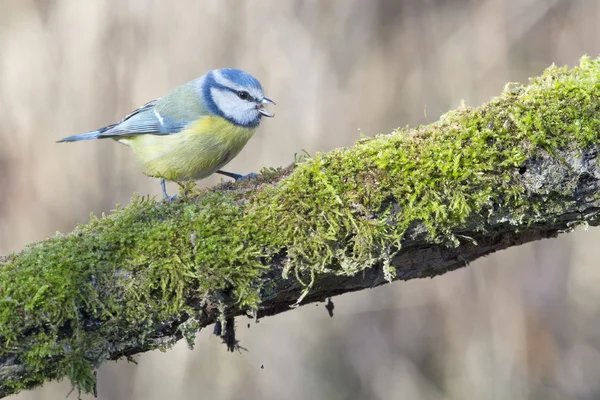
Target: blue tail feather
[
  {"x": 97, "y": 134},
  {"x": 83, "y": 136}
]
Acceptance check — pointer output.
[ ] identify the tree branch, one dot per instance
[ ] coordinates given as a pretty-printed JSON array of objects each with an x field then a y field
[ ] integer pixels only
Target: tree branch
[{"x": 411, "y": 204}]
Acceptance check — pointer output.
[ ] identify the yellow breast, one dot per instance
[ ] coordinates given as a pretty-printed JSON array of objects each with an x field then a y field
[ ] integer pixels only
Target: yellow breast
[{"x": 195, "y": 153}]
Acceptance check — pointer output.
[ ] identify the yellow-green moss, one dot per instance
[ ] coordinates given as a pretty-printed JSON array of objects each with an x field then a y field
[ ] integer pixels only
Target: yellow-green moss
[{"x": 336, "y": 213}]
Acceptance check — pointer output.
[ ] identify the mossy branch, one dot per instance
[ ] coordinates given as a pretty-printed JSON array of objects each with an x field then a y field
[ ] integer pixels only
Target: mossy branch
[{"x": 415, "y": 203}]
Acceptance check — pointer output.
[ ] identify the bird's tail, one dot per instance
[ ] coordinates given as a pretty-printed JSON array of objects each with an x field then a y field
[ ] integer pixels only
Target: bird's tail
[{"x": 97, "y": 134}]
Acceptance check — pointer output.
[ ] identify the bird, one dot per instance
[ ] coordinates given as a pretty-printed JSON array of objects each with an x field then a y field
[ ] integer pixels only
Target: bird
[{"x": 194, "y": 130}]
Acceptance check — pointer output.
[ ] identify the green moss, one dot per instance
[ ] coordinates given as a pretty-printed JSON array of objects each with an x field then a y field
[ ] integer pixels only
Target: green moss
[
  {"x": 333, "y": 213},
  {"x": 336, "y": 213}
]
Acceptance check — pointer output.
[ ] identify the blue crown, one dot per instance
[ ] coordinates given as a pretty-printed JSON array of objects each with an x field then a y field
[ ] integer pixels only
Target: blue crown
[{"x": 241, "y": 78}]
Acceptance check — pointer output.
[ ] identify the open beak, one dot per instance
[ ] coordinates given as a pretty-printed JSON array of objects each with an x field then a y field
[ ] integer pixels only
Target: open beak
[{"x": 261, "y": 107}]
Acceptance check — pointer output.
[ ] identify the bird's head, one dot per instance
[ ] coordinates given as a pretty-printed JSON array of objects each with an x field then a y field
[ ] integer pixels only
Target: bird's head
[{"x": 236, "y": 96}]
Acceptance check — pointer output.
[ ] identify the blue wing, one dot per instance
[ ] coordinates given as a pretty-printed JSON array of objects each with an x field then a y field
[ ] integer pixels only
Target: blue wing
[
  {"x": 167, "y": 115},
  {"x": 146, "y": 120}
]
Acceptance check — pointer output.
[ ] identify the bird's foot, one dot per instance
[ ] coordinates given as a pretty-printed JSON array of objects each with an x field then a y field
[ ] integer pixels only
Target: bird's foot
[
  {"x": 238, "y": 177},
  {"x": 248, "y": 177},
  {"x": 166, "y": 197},
  {"x": 169, "y": 199}
]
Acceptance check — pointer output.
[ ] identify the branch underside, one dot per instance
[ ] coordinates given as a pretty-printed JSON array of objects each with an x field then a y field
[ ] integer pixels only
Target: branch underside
[{"x": 410, "y": 205}]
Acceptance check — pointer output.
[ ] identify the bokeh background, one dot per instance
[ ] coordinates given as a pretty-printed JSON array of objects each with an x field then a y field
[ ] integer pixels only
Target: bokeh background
[{"x": 520, "y": 324}]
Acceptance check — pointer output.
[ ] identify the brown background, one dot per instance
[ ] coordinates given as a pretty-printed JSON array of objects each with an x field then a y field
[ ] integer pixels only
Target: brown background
[{"x": 520, "y": 324}]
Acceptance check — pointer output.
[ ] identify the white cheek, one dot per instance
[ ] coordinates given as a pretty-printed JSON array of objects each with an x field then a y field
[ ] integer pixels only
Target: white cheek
[{"x": 241, "y": 111}]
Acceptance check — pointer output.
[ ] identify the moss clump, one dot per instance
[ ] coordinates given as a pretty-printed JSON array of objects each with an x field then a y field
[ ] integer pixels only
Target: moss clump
[
  {"x": 69, "y": 302},
  {"x": 137, "y": 269},
  {"x": 333, "y": 214}
]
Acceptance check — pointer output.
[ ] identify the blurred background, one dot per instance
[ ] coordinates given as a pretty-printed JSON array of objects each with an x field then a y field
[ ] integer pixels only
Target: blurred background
[{"x": 520, "y": 324}]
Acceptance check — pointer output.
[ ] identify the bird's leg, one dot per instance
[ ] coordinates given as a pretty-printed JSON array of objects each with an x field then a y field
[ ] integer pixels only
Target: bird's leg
[
  {"x": 230, "y": 174},
  {"x": 163, "y": 186},
  {"x": 167, "y": 198},
  {"x": 237, "y": 177}
]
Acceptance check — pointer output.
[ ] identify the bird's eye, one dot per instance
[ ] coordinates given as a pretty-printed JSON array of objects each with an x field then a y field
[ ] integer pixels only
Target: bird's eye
[{"x": 242, "y": 94}]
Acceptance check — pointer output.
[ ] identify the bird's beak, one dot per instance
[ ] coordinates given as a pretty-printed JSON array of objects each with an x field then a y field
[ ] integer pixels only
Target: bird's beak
[{"x": 261, "y": 107}]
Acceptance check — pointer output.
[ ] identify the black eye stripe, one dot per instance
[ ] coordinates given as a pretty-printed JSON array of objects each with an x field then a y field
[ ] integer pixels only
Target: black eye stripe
[
  {"x": 236, "y": 92},
  {"x": 247, "y": 95}
]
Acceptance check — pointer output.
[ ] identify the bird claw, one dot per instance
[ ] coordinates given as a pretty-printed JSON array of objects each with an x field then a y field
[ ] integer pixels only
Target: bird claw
[
  {"x": 248, "y": 177},
  {"x": 166, "y": 197},
  {"x": 169, "y": 199}
]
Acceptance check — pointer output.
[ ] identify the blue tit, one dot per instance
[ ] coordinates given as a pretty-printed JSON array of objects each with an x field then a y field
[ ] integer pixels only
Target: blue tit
[{"x": 193, "y": 131}]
